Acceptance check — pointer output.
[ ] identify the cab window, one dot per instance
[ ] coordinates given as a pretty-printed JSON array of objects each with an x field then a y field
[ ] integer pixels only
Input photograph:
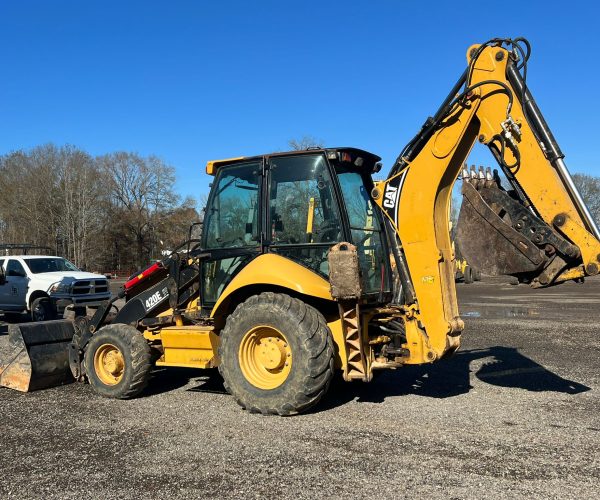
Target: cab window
[
  {"x": 232, "y": 215},
  {"x": 14, "y": 268},
  {"x": 366, "y": 231},
  {"x": 301, "y": 200},
  {"x": 231, "y": 226}
]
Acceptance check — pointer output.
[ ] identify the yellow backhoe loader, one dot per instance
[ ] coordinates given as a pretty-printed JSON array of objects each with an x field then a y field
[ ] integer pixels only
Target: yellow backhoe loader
[{"x": 293, "y": 277}]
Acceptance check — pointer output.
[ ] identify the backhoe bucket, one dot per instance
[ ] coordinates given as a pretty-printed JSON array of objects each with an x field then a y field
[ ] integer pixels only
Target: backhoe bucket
[
  {"x": 486, "y": 235},
  {"x": 36, "y": 355}
]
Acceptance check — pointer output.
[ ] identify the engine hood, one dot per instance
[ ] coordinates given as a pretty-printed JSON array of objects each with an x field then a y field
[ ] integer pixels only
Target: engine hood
[{"x": 67, "y": 276}]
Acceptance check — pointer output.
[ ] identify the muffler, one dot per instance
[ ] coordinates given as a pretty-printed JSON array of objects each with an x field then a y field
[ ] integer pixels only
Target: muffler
[{"x": 36, "y": 355}]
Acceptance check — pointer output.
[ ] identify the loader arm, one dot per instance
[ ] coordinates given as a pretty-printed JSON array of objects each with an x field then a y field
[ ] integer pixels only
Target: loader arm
[{"x": 539, "y": 230}]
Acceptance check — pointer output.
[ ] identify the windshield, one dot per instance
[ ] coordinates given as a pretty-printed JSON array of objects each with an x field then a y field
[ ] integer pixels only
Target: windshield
[
  {"x": 49, "y": 265},
  {"x": 366, "y": 231}
]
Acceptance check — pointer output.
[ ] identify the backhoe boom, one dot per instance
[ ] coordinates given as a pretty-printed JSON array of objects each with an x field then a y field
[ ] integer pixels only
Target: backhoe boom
[{"x": 538, "y": 229}]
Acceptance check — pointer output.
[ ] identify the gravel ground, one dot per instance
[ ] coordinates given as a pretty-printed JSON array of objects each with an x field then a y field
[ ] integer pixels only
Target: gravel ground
[{"x": 513, "y": 414}]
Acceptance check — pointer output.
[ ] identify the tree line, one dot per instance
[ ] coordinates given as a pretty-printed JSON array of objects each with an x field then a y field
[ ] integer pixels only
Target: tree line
[{"x": 115, "y": 212}]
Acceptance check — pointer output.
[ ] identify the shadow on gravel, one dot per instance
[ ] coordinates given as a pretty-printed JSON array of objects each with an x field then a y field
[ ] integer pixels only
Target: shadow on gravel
[
  {"x": 502, "y": 366},
  {"x": 169, "y": 379},
  {"x": 7, "y": 318},
  {"x": 450, "y": 377}
]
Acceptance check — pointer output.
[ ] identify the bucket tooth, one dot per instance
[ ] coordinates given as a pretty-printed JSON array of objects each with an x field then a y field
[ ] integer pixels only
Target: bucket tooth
[
  {"x": 36, "y": 355},
  {"x": 465, "y": 173}
]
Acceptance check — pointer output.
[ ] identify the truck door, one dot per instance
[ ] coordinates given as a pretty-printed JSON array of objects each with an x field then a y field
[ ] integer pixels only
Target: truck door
[
  {"x": 3, "y": 286},
  {"x": 16, "y": 285}
]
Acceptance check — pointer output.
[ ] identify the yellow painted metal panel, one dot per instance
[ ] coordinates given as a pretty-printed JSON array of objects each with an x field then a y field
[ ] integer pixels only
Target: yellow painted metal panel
[
  {"x": 196, "y": 364},
  {"x": 272, "y": 269},
  {"x": 192, "y": 337},
  {"x": 337, "y": 332},
  {"x": 211, "y": 166},
  {"x": 189, "y": 346}
]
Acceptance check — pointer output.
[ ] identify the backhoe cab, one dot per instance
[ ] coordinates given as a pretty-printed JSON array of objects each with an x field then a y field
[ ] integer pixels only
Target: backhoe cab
[
  {"x": 295, "y": 205},
  {"x": 306, "y": 265}
]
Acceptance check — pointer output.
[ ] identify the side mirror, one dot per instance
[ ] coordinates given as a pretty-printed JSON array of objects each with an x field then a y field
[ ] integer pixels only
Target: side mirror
[
  {"x": 2, "y": 277},
  {"x": 16, "y": 274}
]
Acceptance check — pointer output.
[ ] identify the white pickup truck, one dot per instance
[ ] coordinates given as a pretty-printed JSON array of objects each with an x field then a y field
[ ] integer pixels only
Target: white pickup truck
[{"x": 44, "y": 285}]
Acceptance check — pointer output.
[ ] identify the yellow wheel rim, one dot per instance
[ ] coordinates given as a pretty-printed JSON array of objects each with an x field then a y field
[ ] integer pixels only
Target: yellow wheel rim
[
  {"x": 109, "y": 364},
  {"x": 265, "y": 357}
]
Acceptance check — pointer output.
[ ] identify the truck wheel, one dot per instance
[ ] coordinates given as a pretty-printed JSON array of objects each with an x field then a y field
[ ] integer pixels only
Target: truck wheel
[
  {"x": 276, "y": 355},
  {"x": 468, "y": 275},
  {"x": 477, "y": 275},
  {"x": 42, "y": 310},
  {"x": 117, "y": 361}
]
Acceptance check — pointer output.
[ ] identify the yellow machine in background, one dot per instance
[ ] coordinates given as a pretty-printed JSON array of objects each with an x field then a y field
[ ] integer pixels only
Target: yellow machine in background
[
  {"x": 293, "y": 278},
  {"x": 463, "y": 270}
]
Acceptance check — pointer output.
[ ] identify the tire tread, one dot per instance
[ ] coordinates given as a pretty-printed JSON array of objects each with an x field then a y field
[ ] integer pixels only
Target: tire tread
[
  {"x": 317, "y": 366},
  {"x": 141, "y": 360}
]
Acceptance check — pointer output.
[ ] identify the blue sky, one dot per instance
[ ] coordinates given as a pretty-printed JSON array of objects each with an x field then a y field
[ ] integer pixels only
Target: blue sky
[{"x": 193, "y": 81}]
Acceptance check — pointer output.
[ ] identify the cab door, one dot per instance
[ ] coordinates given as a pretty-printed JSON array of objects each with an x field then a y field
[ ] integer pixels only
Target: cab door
[
  {"x": 3, "y": 287},
  {"x": 232, "y": 230},
  {"x": 17, "y": 283},
  {"x": 304, "y": 217}
]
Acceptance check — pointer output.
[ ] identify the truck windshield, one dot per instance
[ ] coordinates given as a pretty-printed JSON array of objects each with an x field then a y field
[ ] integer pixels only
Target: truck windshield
[
  {"x": 49, "y": 265},
  {"x": 366, "y": 230}
]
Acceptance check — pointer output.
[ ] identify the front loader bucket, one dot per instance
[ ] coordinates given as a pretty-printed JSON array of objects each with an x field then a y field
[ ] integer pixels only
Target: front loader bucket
[{"x": 36, "y": 355}]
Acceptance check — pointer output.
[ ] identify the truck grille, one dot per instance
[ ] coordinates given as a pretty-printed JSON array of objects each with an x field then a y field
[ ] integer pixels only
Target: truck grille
[{"x": 86, "y": 287}]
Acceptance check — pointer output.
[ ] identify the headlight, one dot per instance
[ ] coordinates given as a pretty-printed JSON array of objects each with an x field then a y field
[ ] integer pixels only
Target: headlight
[{"x": 59, "y": 288}]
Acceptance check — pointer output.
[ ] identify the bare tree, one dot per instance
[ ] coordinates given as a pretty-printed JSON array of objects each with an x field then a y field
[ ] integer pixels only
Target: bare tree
[
  {"x": 146, "y": 215},
  {"x": 80, "y": 190},
  {"x": 308, "y": 141},
  {"x": 589, "y": 188},
  {"x": 140, "y": 193},
  {"x": 108, "y": 213},
  {"x": 49, "y": 197}
]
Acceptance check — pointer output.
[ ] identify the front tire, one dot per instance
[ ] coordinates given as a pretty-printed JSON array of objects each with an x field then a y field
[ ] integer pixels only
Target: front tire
[
  {"x": 42, "y": 310},
  {"x": 276, "y": 355},
  {"x": 118, "y": 361}
]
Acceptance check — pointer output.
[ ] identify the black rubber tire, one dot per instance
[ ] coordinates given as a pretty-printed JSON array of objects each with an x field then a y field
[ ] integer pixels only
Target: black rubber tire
[
  {"x": 312, "y": 349},
  {"x": 136, "y": 353},
  {"x": 477, "y": 275},
  {"x": 42, "y": 310},
  {"x": 468, "y": 275}
]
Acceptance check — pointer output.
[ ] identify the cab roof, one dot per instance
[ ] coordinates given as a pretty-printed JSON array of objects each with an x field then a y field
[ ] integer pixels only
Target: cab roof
[{"x": 368, "y": 160}]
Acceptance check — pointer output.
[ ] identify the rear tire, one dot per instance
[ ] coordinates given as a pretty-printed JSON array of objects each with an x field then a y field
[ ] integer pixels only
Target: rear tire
[
  {"x": 118, "y": 361},
  {"x": 477, "y": 275},
  {"x": 42, "y": 310},
  {"x": 276, "y": 355},
  {"x": 468, "y": 275}
]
